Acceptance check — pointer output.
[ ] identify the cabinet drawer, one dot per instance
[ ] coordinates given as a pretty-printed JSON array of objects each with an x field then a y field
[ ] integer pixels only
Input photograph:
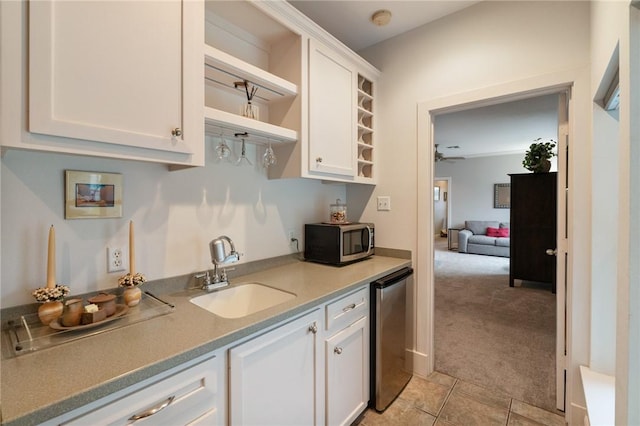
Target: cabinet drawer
[
  {"x": 186, "y": 397},
  {"x": 347, "y": 309}
]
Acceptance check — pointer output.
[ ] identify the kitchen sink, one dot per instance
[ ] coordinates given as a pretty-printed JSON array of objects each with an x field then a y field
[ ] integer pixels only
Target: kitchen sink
[{"x": 241, "y": 300}]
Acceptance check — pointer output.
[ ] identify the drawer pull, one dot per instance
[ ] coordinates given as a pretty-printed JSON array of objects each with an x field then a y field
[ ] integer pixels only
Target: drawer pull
[
  {"x": 337, "y": 350},
  {"x": 151, "y": 411},
  {"x": 348, "y": 308}
]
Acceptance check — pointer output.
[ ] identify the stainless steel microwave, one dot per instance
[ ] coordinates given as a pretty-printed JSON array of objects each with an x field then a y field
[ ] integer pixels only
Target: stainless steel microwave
[{"x": 338, "y": 244}]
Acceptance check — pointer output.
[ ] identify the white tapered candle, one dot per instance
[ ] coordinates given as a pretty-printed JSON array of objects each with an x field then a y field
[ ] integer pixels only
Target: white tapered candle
[
  {"x": 132, "y": 250},
  {"x": 51, "y": 259}
]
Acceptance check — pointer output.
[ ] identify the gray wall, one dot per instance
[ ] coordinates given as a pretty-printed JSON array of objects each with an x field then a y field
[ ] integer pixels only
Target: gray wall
[{"x": 472, "y": 180}]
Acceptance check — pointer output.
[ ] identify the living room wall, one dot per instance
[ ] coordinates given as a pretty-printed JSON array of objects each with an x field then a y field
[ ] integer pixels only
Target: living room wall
[{"x": 472, "y": 180}]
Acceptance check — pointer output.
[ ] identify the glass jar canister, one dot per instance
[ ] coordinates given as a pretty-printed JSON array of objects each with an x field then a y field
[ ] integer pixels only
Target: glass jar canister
[{"x": 338, "y": 212}]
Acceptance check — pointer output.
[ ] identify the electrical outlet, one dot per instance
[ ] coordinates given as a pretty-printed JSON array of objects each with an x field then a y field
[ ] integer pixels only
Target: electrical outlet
[
  {"x": 384, "y": 203},
  {"x": 115, "y": 259},
  {"x": 293, "y": 240}
]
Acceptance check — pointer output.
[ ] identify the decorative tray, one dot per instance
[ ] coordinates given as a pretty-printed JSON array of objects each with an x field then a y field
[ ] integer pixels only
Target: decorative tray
[{"x": 28, "y": 334}]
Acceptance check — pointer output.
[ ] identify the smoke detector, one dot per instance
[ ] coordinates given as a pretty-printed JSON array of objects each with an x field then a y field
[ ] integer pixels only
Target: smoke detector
[{"x": 381, "y": 17}]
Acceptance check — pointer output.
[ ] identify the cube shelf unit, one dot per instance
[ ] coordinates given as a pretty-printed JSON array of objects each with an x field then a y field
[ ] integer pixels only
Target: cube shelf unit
[{"x": 365, "y": 128}]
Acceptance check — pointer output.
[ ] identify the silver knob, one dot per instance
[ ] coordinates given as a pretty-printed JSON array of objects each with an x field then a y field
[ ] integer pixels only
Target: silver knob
[
  {"x": 313, "y": 328},
  {"x": 551, "y": 252},
  {"x": 176, "y": 131},
  {"x": 319, "y": 160},
  {"x": 337, "y": 350}
]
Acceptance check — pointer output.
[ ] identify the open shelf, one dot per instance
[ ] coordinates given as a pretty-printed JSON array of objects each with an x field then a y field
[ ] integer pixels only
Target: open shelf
[
  {"x": 224, "y": 69},
  {"x": 216, "y": 119}
]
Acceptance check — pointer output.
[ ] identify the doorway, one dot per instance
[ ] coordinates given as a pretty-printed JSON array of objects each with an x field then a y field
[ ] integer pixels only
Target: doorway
[
  {"x": 485, "y": 332},
  {"x": 442, "y": 205},
  {"x": 427, "y": 112}
]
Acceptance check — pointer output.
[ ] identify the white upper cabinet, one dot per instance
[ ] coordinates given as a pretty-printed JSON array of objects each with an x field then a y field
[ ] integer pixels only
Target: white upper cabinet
[
  {"x": 332, "y": 122},
  {"x": 118, "y": 79},
  {"x": 336, "y": 139}
]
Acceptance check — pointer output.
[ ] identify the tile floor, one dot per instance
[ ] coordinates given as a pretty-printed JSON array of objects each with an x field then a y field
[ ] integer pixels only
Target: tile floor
[{"x": 443, "y": 400}]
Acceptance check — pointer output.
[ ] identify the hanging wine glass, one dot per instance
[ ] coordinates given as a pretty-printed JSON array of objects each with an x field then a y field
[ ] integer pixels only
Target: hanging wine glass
[
  {"x": 222, "y": 150},
  {"x": 243, "y": 154},
  {"x": 269, "y": 157}
]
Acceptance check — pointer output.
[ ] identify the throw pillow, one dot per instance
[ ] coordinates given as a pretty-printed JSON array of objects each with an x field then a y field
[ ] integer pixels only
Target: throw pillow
[
  {"x": 497, "y": 232},
  {"x": 491, "y": 232},
  {"x": 503, "y": 232}
]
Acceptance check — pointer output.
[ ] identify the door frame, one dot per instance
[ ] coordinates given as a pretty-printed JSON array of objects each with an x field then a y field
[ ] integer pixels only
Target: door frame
[
  {"x": 448, "y": 201},
  {"x": 424, "y": 259}
]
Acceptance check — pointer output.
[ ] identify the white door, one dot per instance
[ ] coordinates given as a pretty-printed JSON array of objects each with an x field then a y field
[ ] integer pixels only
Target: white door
[
  {"x": 561, "y": 249},
  {"x": 274, "y": 378},
  {"x": 109, "y": 71},
  {"x": 347, "y": 355},
  {"x": 332, "y": 123}
]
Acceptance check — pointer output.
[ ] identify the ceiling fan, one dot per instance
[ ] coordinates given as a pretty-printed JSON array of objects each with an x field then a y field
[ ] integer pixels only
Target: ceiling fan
[{"x": 438, "y": 156}]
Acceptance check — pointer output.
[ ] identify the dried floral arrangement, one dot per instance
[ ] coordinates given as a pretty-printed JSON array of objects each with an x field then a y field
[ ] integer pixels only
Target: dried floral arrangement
[
  {"x": 51, "y": 294},
  {"x": 131, "y": 280}
]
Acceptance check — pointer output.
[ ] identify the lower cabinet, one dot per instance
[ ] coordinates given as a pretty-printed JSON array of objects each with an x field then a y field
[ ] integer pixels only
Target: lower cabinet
[
  {"x": 275, "y": 378},
  {"x": 190, "y": 394},
  {"x": 310, "y": 370},
  {"x": 347, "y": 375}
]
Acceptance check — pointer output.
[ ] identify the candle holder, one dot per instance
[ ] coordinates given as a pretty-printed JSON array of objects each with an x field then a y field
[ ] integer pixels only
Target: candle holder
[
  {"x": 130, "y": 283},
  {"x": 51, "y": 302}
]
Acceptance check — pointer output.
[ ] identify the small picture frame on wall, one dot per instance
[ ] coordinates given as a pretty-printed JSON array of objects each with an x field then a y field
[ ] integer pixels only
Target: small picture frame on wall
[
  {"x": 436, "y": 193},
  {"x": 501, "y": 195},
  {"x": 92, "y": 195}
]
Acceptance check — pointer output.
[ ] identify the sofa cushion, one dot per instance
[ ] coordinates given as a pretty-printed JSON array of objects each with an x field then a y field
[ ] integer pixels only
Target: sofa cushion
[
  {"x": 482, "y": 239},
  {"x": 497, "y": 232},
  {"x": 502, "y": 242},
  {"x": 504, "y": 225},
  {"x": 479, "y": 227}
]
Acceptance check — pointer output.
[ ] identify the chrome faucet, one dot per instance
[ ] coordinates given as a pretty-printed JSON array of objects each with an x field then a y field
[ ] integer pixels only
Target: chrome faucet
[
  {"x": 219, "y": 258},
  {"x": 218, "y": 254}
]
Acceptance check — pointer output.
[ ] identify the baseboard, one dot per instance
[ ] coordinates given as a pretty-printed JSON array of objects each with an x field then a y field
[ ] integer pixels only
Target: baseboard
[
  {"x": 417, "y": 362},
  {"x": 577, "y": 415}
]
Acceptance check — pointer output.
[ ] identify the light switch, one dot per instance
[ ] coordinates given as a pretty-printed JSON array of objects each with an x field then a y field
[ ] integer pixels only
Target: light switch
[{"x": 384, "y": 203}]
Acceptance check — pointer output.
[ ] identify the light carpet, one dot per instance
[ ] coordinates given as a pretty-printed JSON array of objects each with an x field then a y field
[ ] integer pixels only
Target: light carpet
[{"x": 490, "y": 334}]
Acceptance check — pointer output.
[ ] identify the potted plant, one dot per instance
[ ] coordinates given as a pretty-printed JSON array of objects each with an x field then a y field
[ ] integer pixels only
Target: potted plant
[{"x": 537, "y": 157}]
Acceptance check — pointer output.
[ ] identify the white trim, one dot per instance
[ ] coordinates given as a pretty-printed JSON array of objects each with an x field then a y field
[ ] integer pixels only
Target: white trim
[{"x": 427, "y": 110}]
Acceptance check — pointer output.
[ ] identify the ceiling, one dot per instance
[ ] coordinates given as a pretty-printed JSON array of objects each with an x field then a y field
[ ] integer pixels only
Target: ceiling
[
  {"x": 507, "y": 128},
  {"x": 350, "y": 20}
]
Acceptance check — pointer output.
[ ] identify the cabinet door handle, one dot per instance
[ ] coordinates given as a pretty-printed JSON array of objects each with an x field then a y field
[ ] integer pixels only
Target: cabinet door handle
[
  {"x": 348, "y": 308},
  {"x": 151, "y": 411},
  {"x": 176, "y": 132},
  {"x": 337, "y": 350},
  {"x": 551, "y": 252},
  {"x": 319, "y": 160},
  {"x": 313, "y": 328}
]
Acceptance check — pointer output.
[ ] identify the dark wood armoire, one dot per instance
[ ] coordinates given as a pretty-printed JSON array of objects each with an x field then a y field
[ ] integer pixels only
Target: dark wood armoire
[{"x": 533, "y": 228}]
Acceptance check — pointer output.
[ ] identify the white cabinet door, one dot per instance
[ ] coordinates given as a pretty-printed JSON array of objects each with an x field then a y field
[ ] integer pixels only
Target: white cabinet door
[
  {"x": 347, "y": 375},
  {"x": 332, "y": 117},
  {"x": 118, "y": 72},
  {"x": 275, "y": 379}
]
